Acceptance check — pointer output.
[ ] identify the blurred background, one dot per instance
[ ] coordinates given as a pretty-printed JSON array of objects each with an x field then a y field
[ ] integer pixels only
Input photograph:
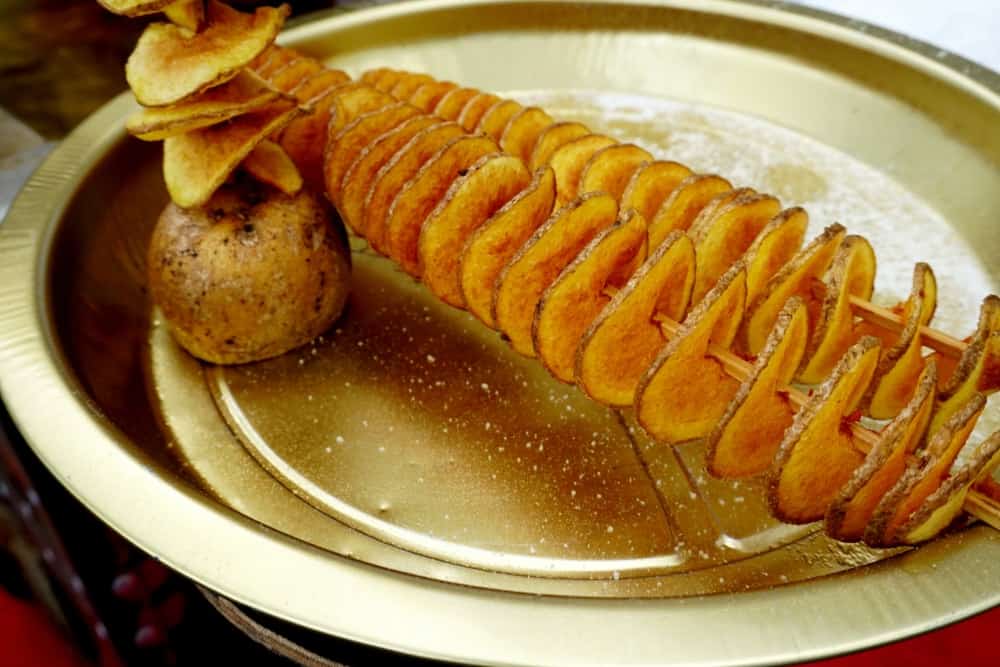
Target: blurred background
[{"x": 74, "y": 593}]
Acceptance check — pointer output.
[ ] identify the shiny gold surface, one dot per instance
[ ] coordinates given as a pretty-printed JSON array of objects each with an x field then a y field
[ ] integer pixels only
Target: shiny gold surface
[{"x": 130, "y": 424}]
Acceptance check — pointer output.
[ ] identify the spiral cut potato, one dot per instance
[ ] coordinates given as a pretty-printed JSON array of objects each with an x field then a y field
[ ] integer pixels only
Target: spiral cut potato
[{"x": 644, "y": 283}]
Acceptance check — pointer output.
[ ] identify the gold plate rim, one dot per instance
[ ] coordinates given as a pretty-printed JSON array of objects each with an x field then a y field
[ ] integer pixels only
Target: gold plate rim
[{"x": 407, "y": 613}]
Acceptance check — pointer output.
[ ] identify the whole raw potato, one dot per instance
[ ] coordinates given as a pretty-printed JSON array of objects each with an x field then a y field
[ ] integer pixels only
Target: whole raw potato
[{"x": 251, "y": 275}]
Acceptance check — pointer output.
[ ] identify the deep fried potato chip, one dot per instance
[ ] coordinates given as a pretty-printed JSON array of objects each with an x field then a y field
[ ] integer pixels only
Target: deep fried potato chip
[
  {"x": 450, "y": 106},
  {"x": 407, "y": 84},
  {"x": 372, "y": 76},
  {"x": 269, "y": 163},
  {"x": 683, "y": 205},
  {"x": 273, "y": 58},
  {"x": 395, "y": 173},
  {"x": 743, "y": 442},
  {"x": 855, "y": 503},
  {"x": 775, "y": 246},
  {"x": 195, "y": 164},
  {"x": 495, "y": 119},
  {"x": 519, "y": 137},
  {"x": 570, "y": 304},
  {"x": 346, "y": 145},
  {"x": 569, "y": 160},
  {"x": 305, "y": 138},
  {"x": 684, "y": 391},
  {"x": 817, "y": 454},
  {"x": 358, "y": 178},
  {"x": 549, "y": 250},
  {"x": 135, "y": 7},
  {"x": 553, "y": 138},
  {"x": 707, "y": 213},
  {"x": 923, "y": 476},
  {"x": 730, "y": 233},
  {"x": 903, "y": 362},
  {"x": 244, "y": 93},
  {"x": 427, "y": 96},
  {"x": 609, "y": 371},
  {"x": 650, "y": 186},
  {"x": 494, "y": 243},
  {"x": 318, "y": 85},
  {"x": 169, "y": 64},
  {"x": 610, "y": 169},
  {"x": 288, "y": 77},
  {"x": 941, "y": 507},
  {"x": 350, "y": 101},
  {"x": 188, "y": 14},
  {"x": 800, "y": 277},
  {"x": 421, "y": 194},
  {"x": 474, "y": 110},
  {"x": 470, "y": 201},
  {"x": 851, "y": 274},
  {"x": 978, "y": 369}
]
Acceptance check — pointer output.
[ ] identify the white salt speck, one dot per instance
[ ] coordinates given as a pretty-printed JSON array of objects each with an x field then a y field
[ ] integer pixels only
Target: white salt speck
[
  {"x": 328, "y": 450},
  {"x": 431, "y": 358},
  {"x": 616, "y": 575},
  {"x": 381, "y": 449},
  {"x": 339, "y": 439},
  {"x": 488, "y": 426},
  {"x": 484, "y": 387}
]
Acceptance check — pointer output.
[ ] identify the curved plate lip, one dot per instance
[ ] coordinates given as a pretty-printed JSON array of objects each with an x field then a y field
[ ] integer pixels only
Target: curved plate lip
[{"x": 244, "y": 560}]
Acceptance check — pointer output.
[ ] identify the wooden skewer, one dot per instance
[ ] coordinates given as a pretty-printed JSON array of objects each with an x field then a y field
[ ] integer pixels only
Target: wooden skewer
[
  {"x": 885, "y": 318},
  {"x": 977, "y": 504}
]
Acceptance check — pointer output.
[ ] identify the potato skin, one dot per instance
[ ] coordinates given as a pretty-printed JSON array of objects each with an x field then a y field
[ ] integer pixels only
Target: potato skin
[{"x": 251, "y": 275}]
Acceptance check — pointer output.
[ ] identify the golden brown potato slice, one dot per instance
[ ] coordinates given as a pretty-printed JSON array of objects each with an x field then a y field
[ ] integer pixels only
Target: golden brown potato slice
[
  {"x": 818, "y": 454},
  {"x": 941, "y": 507},
  {"x": 196, "y": 163},
  {"x": 610, "y": 169},
  {"x": 269, "y": 163},
  {"x": 305, "y": 137},
  {"x": 386, "y": 79},
  {"x": 543, "y": 257},
  {"x": 450, "y": 106},
  {"x": 923, "y": 476},
  {"x": 680, "y": 209},
  {"x": 570, "y": 304},
  {"x": 978, "y": 369},
  {"x": 474, "y": 109},
  {"x": 287, "y": 78},
  {"x": 650, "y": 186},
  {"x": 395, "y": 173},
  {"x": 568, "y": 162},
  {"x": 244, "y": 93},
  {"x": 707, "y": 214},
  {"x": 317, "y": 85},
  {"x": 470, "y": 201},
  {"x": 902, "y": 363},
  {"x": 800, "y": 277},
  {"x": 730, "y": 233},
  {"x": 851, "y": 274},
  {"x": 272, "y": 58},
  {"x": 684, "y": 391},
  {"x": 188, "y": 14},
  {"x": 552, "y": 138},
  {"x": 522, "y": 132},
  {"x": 345, "y": 146},
  {"x": 361, "y": 174},
  {"x": 609, "y": 371},
  {"x": 407, "y": 84},
  {"x": 855, "y": 503},
  {"x": 775, "y": 246},
  {"x": 418, "y": 197},
  {"x": 745, "y": 439},
  {"x": 493, "y": 244},
  {"x": 169, "y": 64},
  {"x": 372, "y": 76},
  {"x": 427, "y": 96},
  {"x": 350, "y": 101},
  {"x": 495, "y": 119}
]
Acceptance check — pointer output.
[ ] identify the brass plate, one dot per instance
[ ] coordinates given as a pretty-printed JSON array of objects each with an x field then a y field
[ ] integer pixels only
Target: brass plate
[{"x": 131, "y": 424}]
